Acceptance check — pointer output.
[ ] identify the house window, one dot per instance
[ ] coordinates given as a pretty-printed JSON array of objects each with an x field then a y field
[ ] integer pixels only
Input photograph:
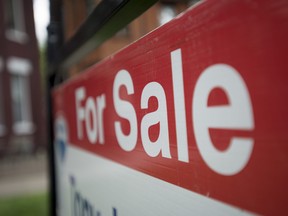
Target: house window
[
  {"x": 20, "y": 70},
  {"x": 15, "y": 22},
  {"x": 2, "y": 121},
  {"x": 167, "y": 12}
]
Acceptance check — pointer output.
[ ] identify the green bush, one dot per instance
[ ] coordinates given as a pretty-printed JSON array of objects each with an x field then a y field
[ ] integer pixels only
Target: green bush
[{"x": 25, "y": 205}]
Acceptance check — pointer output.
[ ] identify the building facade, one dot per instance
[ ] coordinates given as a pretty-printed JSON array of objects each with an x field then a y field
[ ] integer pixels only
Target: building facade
[{"x": 22, "y": 125}]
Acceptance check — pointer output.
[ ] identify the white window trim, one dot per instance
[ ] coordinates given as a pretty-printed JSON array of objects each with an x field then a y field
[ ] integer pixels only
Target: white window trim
[
  {"x": 16, "y": 36},
  {"x": 24, "y": 127},
  {"x": 2, "y": 125},
  {"x": 20, "y": 66}
]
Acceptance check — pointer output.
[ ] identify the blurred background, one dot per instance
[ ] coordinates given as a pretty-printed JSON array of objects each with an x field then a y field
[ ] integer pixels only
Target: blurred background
[
  {"x": 31, "y": 35},
  {"x": 23, "y": 139}
]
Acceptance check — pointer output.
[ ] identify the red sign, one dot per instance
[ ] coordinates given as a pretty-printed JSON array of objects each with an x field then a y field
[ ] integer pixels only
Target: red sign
[{"x": 200, "y": 103}]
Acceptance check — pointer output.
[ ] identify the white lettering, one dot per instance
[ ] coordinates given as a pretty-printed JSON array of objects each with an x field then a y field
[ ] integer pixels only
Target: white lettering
[
  {"x": 79, "y": 97},
  {"x": 154, "y": 89},
  {"x": 237, "y": 115},
  {"x": 101, "y": 105},
  {"x": 125, "y": 110},
  {"x": 91, "y": 115},
  {"x": 91, "y": 123},
  {"x": 179, "y": 105}
]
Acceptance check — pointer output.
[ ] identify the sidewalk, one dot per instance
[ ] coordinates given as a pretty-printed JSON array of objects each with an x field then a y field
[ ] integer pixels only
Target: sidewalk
[{"x": 23, "y": 175}]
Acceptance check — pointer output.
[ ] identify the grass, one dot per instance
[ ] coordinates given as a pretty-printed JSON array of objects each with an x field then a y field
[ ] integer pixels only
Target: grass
[{"x": 25, "y": 205}]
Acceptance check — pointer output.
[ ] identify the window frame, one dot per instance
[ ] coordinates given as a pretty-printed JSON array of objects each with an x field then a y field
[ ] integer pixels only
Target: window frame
[
  {"x": 18, "y": 32},
  {"x": 22, "y": 68}
]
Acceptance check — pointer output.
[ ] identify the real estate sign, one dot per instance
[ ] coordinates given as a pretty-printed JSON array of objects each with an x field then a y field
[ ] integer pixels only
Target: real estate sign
[{"x": 192, "y": 119}]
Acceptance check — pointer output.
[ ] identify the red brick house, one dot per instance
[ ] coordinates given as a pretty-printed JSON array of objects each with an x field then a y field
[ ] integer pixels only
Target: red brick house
[{"x": 22, "y": 126}]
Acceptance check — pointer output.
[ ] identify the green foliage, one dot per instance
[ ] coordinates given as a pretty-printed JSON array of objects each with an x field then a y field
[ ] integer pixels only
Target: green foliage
[
  {"x": 43, "y": 65},
  {"x": 29, "y": 205}
]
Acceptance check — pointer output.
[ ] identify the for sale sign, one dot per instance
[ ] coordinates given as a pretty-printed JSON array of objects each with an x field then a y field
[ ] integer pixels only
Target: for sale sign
[{"x": 189, "y": 120}]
